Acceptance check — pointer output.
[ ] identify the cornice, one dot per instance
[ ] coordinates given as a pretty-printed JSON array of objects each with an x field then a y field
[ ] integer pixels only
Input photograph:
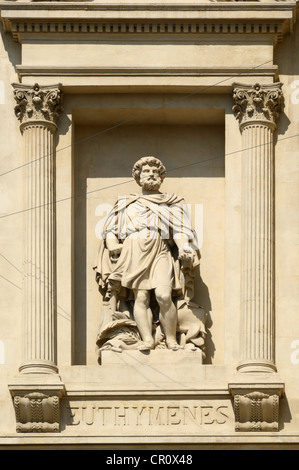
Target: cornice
[
  {"x": 219, "y": 18},
  {"x": 150, "y": 5},
  {"x": 203, "y": 10}
]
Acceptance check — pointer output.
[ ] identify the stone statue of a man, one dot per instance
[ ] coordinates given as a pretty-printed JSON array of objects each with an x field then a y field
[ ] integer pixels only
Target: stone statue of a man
[{"x": 147, "y": 256}]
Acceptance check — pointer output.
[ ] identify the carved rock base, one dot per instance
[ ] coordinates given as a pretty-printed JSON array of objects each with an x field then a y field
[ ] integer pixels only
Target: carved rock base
[
  {"x": 37, "y": 402},
  {"x": 256, "y": 405}
]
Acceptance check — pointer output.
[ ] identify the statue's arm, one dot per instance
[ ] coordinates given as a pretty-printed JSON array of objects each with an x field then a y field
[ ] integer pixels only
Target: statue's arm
[
  {"x": 182, "y": 231},
  {"x": 186, "y": 253},
  {"x": 113, "y": 245},
  {"x": 110, "y": 234}
]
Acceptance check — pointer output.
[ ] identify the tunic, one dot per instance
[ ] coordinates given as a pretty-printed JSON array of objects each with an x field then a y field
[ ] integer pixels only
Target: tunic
[{"x": 147, "y": 226}]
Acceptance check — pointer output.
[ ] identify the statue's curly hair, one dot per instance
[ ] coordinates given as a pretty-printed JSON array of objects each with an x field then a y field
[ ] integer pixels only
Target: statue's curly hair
[{"x": 149, "y": 160}]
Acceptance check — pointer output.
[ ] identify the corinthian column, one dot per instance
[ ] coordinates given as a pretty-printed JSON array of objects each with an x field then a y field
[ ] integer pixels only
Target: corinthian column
[
  {"x": 257, "y": 109},
  {"x": 37, "y": 110}
]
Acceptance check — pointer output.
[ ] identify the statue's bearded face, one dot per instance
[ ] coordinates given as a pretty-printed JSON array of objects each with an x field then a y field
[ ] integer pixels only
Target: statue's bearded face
[{"x": 150, "y": 178}]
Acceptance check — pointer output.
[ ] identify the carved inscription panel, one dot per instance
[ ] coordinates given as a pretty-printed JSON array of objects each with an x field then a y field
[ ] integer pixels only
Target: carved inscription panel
[{"x": 143, "y": 417}]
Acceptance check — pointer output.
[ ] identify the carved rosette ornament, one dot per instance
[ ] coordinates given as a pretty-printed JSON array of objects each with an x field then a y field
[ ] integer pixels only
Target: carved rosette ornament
[
  {"x": 257, "y": 103},
  {"x": 37, "y": 103}
]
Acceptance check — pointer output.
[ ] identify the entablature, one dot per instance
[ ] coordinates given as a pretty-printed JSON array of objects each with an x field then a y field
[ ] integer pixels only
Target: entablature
[
  {"x": 196, "y": 18},
  {"x": 150, "y": 79}
]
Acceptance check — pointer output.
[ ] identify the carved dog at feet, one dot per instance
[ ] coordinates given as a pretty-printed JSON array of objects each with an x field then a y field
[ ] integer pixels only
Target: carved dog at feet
[{"x": 191, "y": 322}]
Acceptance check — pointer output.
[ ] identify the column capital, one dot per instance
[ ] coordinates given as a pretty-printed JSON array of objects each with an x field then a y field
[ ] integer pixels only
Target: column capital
[
  {"x": 257, "y": 104},
  {"x": 37, "y": 104}
]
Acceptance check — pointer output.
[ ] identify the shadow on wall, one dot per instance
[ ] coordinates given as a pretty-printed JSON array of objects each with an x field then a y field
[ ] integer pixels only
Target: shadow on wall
[
  {"x": 282, "y": 126},
  {"x": 284, "y": 412},
  {"x": 202, "y": 297},
  {"x": 286, "y": 58},
  {"x": 12, "y": 48}
]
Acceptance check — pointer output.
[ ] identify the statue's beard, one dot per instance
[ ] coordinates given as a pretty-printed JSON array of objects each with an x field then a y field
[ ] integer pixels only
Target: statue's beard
[{"x": 152, "y": 184}]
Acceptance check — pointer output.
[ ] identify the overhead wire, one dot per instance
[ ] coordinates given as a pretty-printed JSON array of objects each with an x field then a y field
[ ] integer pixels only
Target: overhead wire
[
  {"x": 123, "y": 123},
  {"x": 141, "y": 115}
]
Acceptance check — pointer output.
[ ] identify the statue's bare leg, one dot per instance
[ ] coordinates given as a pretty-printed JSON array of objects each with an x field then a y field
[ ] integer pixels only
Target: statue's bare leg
[
  {"x": 143, "y": 318},
  {"x": 167, "y": 316},
  {"x": 113, "y": 301},
  {"x": 113, "y": 287}
]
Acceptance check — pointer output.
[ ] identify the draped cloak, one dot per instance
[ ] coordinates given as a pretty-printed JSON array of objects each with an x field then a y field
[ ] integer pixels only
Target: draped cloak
[{"x": 147, "y": 226}]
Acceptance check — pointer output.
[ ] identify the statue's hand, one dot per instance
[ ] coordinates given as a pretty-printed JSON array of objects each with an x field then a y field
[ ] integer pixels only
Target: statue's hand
[
  {"x": 186, "y": 254},
  {"x": 115, "y": 252}
]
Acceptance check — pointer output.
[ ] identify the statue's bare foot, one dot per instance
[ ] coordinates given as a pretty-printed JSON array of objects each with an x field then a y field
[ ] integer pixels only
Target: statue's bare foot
[
  {"x": 146, "y": 345},
  {"x": 173, "y": 345}
]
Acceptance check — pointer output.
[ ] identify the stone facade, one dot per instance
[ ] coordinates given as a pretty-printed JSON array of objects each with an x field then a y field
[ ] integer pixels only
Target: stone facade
[{"x": 211, "y": 89}]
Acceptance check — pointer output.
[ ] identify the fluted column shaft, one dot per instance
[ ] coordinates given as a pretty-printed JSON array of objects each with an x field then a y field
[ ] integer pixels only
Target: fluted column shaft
[
  {"x": 257, "y": 109},
  {"x": 37, "y": 110},
  {"x": 39, "y": 261},
  {"x": 257, "y": 247}
]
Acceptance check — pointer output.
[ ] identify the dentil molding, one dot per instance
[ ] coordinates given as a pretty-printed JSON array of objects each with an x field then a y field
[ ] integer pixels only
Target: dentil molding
[{"x": 139, "y": 18}]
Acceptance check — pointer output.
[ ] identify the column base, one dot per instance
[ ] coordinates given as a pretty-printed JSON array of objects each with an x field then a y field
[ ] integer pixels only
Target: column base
[
  {"x": 256, "y": 366},
  {"x": 38, "y": 367},
  {"x": 36, "y": 399}
]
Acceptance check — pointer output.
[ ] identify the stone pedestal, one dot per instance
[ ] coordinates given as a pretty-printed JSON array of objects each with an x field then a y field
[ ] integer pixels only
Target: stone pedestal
[
  {"x": 36, "y": 399},
  {"x": 256, "y": 403},
  {"x": 161, "y": 395}
]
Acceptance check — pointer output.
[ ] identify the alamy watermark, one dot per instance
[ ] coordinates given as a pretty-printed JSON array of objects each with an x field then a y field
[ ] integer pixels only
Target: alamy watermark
[
  {"x": 295, "y": 354},
  {"x": 295, "y": 93}
]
